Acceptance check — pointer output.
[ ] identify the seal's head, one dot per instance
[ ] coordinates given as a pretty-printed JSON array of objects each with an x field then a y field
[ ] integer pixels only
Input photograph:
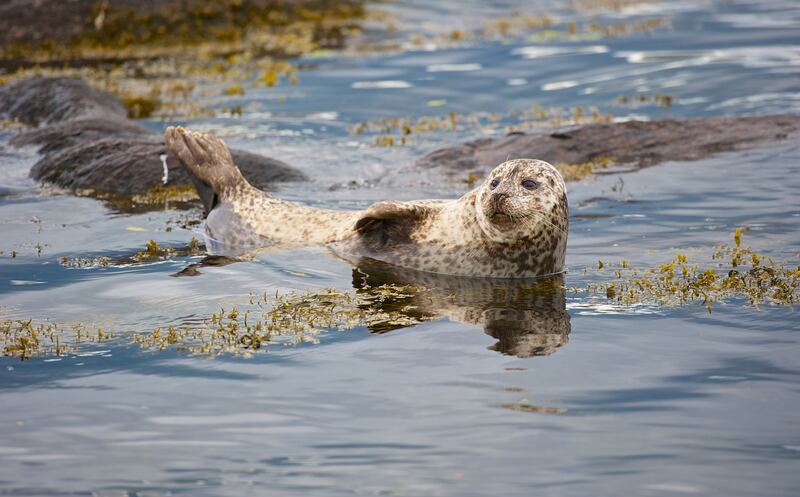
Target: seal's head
[{"x": 520, "y": 199}]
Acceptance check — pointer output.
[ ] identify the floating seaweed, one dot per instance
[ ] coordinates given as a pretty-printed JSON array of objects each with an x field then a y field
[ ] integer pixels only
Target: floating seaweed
[
  {"x": 399, "y": 130},
  {"x": 153, "y": 252},
  {"x": 595, "y": 6},
  {"x": 540, "y": 28},
  {"x": 85, "y": 262},
  {"x": 738, "y": 272},
  {"x": 659, "y": 99},
  {"x": 157, "y": 197},
  {"x": 625, "y": 28},
  {"x": 26, "y": 338},
  {"x": 298, "y": 317},
  {"x": 577, "y": 172},
  {"x": 293, "y": 318}
]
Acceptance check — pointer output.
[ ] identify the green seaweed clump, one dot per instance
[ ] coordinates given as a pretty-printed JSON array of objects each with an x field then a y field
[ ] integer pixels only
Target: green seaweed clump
[
  {"x": 739, "y": 272},
  {"x": 85, "y": 262},
  {"x": 157, "y": 197},
  {"x": 577, "y": 172},
  {"x": 161, "y": 194},
  {"x": 535, "y": 116},
  {"x": 542, "y": 27},
  {"x": 25, "y": 339},
  {"x": 507, "y": 27},
  {"x": 154, "y": 252},
  {"x": 294, "y": 317},
  {"x": 626, "y": 28},
  {"x": 595, "y": 6},
  {"x": 408, "y": 125},
  {"x": 471, "y": 179},
  {"x": 660, "y": 99},
  {"x": 140, "y": 106}
]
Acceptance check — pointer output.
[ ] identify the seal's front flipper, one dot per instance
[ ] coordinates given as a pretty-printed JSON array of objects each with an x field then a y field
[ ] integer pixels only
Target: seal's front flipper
[
  {"x": 208, "y": 161},
  {"x": 390, "y": 222}
]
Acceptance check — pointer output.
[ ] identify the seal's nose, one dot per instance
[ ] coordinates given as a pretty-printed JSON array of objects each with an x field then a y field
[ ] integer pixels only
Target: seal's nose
[{"x": 497, "y": 199}]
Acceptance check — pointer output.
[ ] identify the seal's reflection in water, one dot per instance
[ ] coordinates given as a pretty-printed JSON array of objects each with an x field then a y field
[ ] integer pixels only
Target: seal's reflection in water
[{"x": 527, "y": 317}]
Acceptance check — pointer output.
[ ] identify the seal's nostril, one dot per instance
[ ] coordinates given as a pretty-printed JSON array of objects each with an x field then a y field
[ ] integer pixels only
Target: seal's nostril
[{"x": 498, "y": 197}]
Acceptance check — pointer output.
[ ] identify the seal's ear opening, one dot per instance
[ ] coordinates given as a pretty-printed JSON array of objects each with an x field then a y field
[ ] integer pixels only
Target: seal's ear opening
[{"x": 389, "y": 222}]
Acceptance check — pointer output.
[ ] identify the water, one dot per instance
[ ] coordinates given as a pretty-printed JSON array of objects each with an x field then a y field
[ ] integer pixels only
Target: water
[{"x": 644, "y": 400}]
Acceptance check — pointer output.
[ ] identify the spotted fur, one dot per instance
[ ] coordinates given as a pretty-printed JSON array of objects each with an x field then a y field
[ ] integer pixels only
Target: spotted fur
[{"x": 514, "y": 225}]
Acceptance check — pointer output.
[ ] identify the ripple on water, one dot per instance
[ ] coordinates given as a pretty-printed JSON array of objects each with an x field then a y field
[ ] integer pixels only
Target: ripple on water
[{"x": 567, "y": 395}]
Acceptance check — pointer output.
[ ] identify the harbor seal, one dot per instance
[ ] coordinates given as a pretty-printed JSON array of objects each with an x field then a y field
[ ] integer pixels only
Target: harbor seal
[{"x": 514, "y": 225}]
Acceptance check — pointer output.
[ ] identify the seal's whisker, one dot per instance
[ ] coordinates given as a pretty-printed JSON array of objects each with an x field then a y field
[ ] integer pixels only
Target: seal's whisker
[{"x": 538, "y": 217}]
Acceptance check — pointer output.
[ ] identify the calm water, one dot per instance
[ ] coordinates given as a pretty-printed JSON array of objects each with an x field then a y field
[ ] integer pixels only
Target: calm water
[{"x": 630, "y": 401}]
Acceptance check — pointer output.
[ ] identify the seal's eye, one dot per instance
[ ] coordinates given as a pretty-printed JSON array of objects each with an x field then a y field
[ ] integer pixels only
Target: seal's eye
[
  {"x": 530, "y": 184},
  {"x": 494, "y": 183}
]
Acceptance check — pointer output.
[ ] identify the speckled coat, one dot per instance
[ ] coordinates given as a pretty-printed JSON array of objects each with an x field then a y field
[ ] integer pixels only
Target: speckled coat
[{"x": 497, "y": 230}]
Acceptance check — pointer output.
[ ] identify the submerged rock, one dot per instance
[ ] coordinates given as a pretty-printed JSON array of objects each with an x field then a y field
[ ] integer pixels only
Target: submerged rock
[
  {"x": 640, "y": 143},
  {"x": 87, "y": 143}
]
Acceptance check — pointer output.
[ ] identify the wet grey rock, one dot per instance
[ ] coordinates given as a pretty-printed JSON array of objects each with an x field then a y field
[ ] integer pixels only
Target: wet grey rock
[
  {"x": 130, "y": 163},
  {"x": 639, "y": 143},
  {"x": 110, "y": 165},
  {"x": 63, "y": 135},
  {"x": 41, "y": 100},
  {"x": 87, "y": 142},
  {"x": 262, "y": 171}
]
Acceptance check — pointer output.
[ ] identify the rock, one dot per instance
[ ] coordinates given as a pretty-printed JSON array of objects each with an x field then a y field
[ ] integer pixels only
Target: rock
[
  {"x": 109, "y": 165},
  {"x": 262, "y": 171},
  {"x": 67, "y": 134},
  {"x": 87, "y": 143},
  {"x": 641, "y": 143},
  {"x": 132, "y": 165},
  {"x": 41, "y": 100}
]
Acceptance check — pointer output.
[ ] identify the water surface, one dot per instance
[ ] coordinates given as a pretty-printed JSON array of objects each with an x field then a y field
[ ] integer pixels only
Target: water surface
[{"x": 559, "y": 394}]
